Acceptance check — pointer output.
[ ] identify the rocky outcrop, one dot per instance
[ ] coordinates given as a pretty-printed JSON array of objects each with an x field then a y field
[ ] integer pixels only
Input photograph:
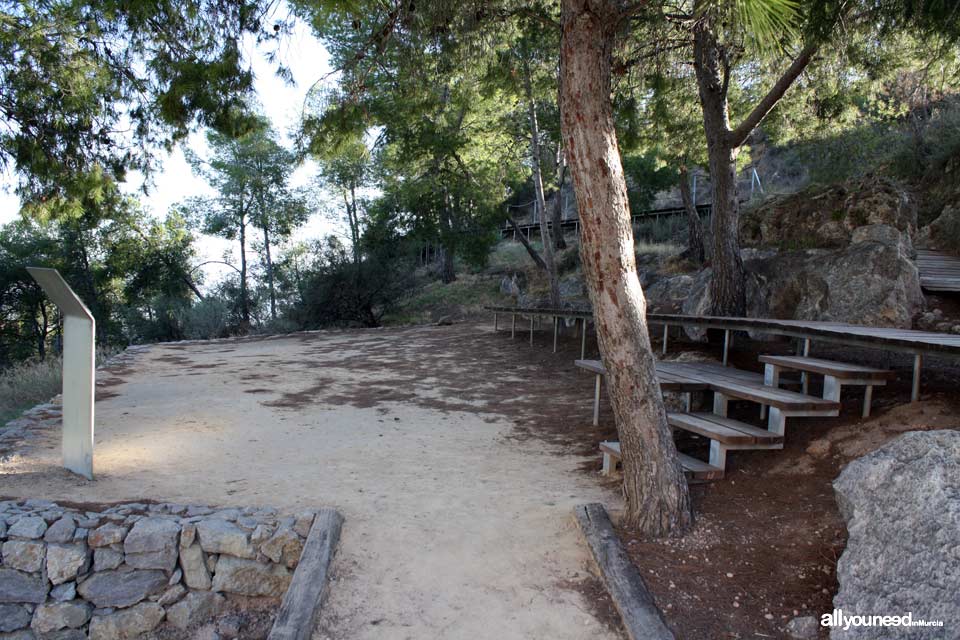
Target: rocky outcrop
[
  {"x": 871, "y": 281},
  {"x": 943, "y": 234},
  {"x": 826, "y": 217},
  {"x": 902, "y": 508}
]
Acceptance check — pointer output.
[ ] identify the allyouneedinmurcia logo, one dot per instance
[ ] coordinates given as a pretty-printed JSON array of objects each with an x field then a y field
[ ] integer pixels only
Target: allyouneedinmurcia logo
[{"x": 839, "y": 619}]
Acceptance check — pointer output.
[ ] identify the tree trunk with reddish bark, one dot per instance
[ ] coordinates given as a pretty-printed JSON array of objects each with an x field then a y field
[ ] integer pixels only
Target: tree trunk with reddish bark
[{"x": 658, "y": 500}]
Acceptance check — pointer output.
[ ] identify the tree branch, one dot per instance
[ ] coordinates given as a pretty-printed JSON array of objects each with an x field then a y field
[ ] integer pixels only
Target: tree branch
[
  {"x": 739, "y": 135},
  {"x": 526, "y": 244}
]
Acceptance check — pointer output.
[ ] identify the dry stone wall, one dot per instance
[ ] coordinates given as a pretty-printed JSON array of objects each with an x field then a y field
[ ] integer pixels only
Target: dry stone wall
[{"x": 139, "y": 570}]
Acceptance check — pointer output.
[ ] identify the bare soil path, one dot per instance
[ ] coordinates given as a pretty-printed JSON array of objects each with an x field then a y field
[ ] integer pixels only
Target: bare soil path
[{"x": 457, "y": 520}]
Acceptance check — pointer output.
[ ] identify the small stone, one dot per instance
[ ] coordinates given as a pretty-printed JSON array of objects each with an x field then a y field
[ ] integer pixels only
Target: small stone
[
  {"x": 195, "y": 573},
  {"x": 80, "y": 534},
  {"x": 119, "y": 588},
  {"x": 16, "y": 586},
  {"x": 127, "y": 623},
  {"x": 23, "y": 555},
  {"x": 105, "y": 559},
  {"x": 220, "y": 536},
  {"x": 106, "y": 535},
  {"x": 152, "y": 544},
  {"x": 195, "y": 608},
  {"x": 304, "y": 521},
  {"x": 64, "y": 592},
  {"x": 284, "y": 546},
  {"x": 62, "y": 615},
  {"x": 171, "y": 595},
  {"x": 261, "y": 533},
  {"x": 768, "y": 616},
  {"x": 13, "y": 617},
  {"x": 176, "y": 577},
  {"x": 61, "y": 531},
  {"x": 32, "y": 527},
  {"x": 65, "y": 563},
  {"x": 250, "y": 578},
  {"x": 804, "y": 628},
  {"x": 212, "y": 562}
]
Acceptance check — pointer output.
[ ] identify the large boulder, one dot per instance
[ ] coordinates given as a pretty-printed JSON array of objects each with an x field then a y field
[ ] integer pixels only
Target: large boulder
[
  {"x": 902, "y": 508},
  {"x": 873, "y": 281},
  {"x": 943, "y": 234}
]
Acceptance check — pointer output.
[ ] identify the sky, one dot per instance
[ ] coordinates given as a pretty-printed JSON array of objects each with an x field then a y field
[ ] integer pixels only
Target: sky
[{"x": 174, "y": 181}]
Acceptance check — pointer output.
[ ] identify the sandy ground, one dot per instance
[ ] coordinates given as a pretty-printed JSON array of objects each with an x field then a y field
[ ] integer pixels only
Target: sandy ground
[{"x": 455, "y": 527}]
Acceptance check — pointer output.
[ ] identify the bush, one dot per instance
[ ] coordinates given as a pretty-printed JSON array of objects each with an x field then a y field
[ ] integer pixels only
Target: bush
[{"x": 206, "y": 319}]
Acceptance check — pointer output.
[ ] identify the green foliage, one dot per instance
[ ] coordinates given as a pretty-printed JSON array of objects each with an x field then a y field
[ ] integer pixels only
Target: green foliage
[{"x": 92, "y": 89}]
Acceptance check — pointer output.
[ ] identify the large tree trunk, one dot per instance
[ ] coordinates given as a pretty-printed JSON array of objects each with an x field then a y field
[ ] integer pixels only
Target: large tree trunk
[
  {"x": 694, "y": 225},
  {"x": 727, "y": 292},
  {"x": 658, "y": 500},
  {"x": 541, "y": 203}
]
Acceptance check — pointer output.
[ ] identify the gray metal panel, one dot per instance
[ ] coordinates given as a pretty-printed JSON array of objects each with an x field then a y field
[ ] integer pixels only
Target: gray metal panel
[{"x": 60, "y": 292}]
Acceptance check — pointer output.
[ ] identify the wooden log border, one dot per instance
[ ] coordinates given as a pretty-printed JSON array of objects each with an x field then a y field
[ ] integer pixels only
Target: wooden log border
[
  {"x": 641, "y": 618},
  {"x": 300, "y": 608}
]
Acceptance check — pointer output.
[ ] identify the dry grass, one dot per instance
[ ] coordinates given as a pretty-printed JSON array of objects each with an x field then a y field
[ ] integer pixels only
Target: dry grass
[{"x": 32, "y": 382}]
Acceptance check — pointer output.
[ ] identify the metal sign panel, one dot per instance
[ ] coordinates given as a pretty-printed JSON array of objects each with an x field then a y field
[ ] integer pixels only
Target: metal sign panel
[{"x": 79, "y": 370}]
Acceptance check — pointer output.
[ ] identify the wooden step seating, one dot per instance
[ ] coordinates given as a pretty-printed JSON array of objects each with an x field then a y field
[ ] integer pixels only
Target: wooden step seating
[
  {"x": 835, "y": 375},
  {"x": 695, "y": 470},
  {"x": 727, "y": 384},
  {"x": 725, "y": 434},
  {"x": 668, "y": 382}
]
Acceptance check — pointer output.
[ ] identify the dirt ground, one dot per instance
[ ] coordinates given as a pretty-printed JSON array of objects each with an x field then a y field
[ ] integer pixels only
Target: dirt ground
[
  {"x": 456, "y": 456},
  {"x": 458, "y": 523}
]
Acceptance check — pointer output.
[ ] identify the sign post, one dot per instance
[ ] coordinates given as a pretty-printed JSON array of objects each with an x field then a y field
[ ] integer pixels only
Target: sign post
[{"x": 78, "y": 371}]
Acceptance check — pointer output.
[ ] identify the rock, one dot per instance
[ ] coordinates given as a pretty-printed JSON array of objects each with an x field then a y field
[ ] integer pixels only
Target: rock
[
  {"x": 196, "y": 608},
  {"x": 31, "y": 527},
  {"x": 828, "y": 216},
  {"x": 62, "y": 615},
  {"x": 120, "y": 588},
  {"x": 23, "y": 555},
  {"x": 869, "y": 283},
  {"x": 152, "y": 544},
  {"x": 698, "y": 302},
  {"x": 66, "y": 634},
  {"x": 24, "y": 634},
  {"x": 220, "y": 536},
  {"x": 61, "y": 531},
  {"x": 284, "y": 546},
  {"x": 903, "y": 517},
  {"x": 188, "y": 534},
  {"x": 668, "y": 293},
  {"x": 261, "y": 533},
  {"x": 804, "y": 628},
  {"x": 105, "y": 559},
  {"x": 303, "y": 523},
  {"x": 194, "y": 566},
  {"x": 106, "y": 535},
  {"x": 64, "y": 592},
  {"x": 943, "y": 234},
  {"x": 128, "y": 623},
  {"x": 171, "y": 595},
  {"x": 16, "y": 586},
  {"x": 250, "y": 578},
  {"x": 229, "y": 626},
  {"x": 175, "y": 577},
  {"x": 13, "y": 617},
  {"x": 65, "y": 563}
]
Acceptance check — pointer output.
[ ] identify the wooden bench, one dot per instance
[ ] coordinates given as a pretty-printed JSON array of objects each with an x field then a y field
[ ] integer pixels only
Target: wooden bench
[
  {"x": 835, "y": 375},
  {"x": 725, "y": 434},
  {"x": 668, "y": 382},
  {"x": 695, "y": 470}
]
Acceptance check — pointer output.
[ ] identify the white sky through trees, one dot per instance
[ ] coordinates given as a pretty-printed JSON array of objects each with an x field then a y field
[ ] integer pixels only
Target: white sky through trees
[{"x": 281, "y": 102}]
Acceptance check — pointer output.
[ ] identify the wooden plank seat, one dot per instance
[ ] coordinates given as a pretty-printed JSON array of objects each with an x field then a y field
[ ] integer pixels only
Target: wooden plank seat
[
  {"x": 725, "y": 434},
  {"x": 835, "y": 375},
  {"x": 782, "y": 403},
  {"x": 668, "y": 382},
  {"x": 695, "y": 470}
]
